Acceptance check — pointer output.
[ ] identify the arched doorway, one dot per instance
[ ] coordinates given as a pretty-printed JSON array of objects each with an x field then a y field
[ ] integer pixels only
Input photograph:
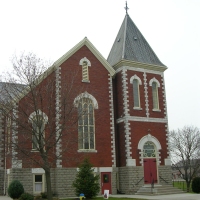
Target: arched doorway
[
  {"x": 149, "y": 163},
  {"x": 149, "y": 148}
]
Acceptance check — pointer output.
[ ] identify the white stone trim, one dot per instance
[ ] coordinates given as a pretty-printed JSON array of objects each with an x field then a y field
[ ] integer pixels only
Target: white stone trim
[
  {"x": 146, "y": 94},
  {"x": 142, "y": 119},
  {"x": 135, "y": 77},
  {"x": 38, "y": 112},
  {"x": 58, "y": 115},
  {"x": 105, "y": 169},
  {"x": 154, "y": 80},
  {"x": 150, "y": 138},
  {"x": 2, "y": 140},
  {"x": 168, "y": 162},
  {"x": 86, "y": 95},
  {"x": 131, "y": 162},
  {"x": 153, "y": 139},
  {"x": 14, "y": 138},
  {"x": 138, "y": 70},
  {"x": 37, "y": 171},
  {"x": 87, "y": 151},
  {"x": 112, "y": 121},
  {"x": 164, "y": 95},
  {"x": 127, "y": 127},
  {"x": 85, "y": 60},
  {"x": 167, "y": 138}
]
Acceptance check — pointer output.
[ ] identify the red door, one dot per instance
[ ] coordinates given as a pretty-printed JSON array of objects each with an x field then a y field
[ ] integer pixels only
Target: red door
[
  {"x": 105, "y": 182},
  {"x": 150, "y": 171}
]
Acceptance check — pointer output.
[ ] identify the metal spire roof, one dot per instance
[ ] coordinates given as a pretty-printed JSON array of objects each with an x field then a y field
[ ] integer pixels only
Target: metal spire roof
[{"x": 132, "y": 46}]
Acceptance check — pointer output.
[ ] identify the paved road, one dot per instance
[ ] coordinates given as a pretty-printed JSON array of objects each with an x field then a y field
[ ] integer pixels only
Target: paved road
[{"x": 183, "y": 196}]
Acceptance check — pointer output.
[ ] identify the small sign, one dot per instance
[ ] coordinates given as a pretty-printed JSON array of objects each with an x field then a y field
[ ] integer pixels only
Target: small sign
[{"x": 106, "y": 194}]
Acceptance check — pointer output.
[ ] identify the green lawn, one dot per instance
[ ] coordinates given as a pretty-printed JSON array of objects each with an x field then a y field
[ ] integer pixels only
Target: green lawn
[{"x": 182, "y": 185}]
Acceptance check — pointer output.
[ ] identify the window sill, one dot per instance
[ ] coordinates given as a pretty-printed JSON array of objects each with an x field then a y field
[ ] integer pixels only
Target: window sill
[
  {"x": 87, "y": 151},
  {"x": 137, "y": 108},
  {"x": 156, "y": 110},
  {"x": 85, "y": 81},
  {"x": 34, "y": 150}
]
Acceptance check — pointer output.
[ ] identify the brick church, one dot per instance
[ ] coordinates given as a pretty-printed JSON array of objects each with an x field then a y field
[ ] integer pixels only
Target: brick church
[{"x": 125, "y": 134}]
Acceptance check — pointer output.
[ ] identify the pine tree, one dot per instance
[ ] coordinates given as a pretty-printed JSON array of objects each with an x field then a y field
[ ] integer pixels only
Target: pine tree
[{"x": 86, "y": 182}]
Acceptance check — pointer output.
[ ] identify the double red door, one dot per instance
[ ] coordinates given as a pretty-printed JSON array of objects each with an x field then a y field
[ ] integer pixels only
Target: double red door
[{"x": 150, "y": 171}]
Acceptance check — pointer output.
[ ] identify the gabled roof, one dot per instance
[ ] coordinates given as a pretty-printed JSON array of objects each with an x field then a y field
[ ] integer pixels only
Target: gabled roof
[
  {"x": 132, "y": 46},
  {"x": 92, "y": 48},
  {"x": 61, "y": 60}
]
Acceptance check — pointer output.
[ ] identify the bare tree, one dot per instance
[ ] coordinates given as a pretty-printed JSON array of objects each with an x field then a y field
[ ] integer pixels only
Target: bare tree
[
  {"x": 185, "y": 152},
  {"x": 39, "y": 119}
]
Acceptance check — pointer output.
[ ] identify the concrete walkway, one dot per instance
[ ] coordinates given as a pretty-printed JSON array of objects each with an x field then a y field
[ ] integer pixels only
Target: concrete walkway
[{"x": 183, "y": 196}]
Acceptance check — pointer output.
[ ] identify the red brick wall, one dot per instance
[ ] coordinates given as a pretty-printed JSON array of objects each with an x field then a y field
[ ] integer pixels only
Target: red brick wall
[
  {"x": 98, "y": 87},
  {"x": 140, "y": 129},
  {"x": 71, "y": 80}
]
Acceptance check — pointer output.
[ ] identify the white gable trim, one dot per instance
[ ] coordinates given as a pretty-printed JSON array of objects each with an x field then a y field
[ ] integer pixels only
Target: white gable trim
[{"x": 92, "y": 48}]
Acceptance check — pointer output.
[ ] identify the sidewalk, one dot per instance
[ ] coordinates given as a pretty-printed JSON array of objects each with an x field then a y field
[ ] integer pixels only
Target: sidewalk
[{"x": 184, "y": 196}]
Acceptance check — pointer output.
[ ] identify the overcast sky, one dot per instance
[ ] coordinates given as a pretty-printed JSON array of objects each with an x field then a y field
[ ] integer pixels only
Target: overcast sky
[{"x": 50, "y": 28}]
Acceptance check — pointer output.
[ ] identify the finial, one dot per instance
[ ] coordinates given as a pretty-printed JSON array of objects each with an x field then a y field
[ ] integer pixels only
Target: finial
[{"x": 126, "y": 8}]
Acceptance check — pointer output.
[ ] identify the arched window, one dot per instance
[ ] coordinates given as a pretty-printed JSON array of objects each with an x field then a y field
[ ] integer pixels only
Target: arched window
[
  {"x": 155, "y": 95},
  {"x": 149, "y": 150},
  {"x": 136, "y": 81},
  {"x": 85, "y": 63},
  {"x": 155, "y": 84},
  {"x": 136, "y": 93},
  {"x": 86, "y": 124},
  {"x": 38, "y": 120}
]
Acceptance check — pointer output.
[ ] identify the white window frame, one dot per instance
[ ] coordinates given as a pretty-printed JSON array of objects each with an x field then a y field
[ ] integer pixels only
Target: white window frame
[
  {"x": 77, "y": 100},
  {"x": 155, "y": 96},
  {"x": 32, "y": 117},
  {"x": 43, "y": 183},
  {"x": 84, "y": 117},
  {"x": 139, "y": 82},
  {"x": 85, "y": 63}
]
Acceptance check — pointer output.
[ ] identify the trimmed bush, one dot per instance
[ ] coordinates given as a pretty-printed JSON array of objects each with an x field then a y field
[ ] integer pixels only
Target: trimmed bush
[
  {"x": 15, "y": 189},
  {"x": 26, "y": 196},
  {"x": 196, "y": 185}
]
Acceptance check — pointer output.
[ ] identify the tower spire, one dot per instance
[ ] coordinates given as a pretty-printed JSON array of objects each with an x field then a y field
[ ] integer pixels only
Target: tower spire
[{"x": 126, "y": 8}]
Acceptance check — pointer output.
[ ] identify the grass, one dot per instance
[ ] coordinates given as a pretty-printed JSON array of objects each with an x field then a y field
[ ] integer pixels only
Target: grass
[
  {"x": 182, "y": 185},
  {"x": 111, "y": 198}
]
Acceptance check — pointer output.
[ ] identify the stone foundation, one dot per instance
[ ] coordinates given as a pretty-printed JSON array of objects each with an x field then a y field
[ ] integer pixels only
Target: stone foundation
[
  {"x": 129, "y": 178},
  {"x": 61, "y": 180},
  {"x": 165, "y": 175},
  {"x": 1, "y": 182}
]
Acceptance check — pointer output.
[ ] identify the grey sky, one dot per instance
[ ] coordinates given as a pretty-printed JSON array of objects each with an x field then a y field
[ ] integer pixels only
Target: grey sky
[{"x": 50, "y": 28}]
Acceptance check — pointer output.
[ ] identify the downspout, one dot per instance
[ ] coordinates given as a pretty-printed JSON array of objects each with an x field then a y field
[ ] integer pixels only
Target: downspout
[
  {"x": 4, "y": 172},
  {"x": 5, "y": 147}
]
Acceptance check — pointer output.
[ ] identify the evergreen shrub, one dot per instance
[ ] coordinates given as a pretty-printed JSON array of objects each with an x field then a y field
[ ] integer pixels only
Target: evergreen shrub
[
  {"x": 15, "y": 189},
  {"x": 26, "y": 196},
  {"x": 86, "y": 182},
  {"x": 196, "y": 185}
]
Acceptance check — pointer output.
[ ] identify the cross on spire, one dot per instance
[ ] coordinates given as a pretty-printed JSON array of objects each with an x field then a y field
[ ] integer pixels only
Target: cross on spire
[{"x": 126, "y": 8}]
